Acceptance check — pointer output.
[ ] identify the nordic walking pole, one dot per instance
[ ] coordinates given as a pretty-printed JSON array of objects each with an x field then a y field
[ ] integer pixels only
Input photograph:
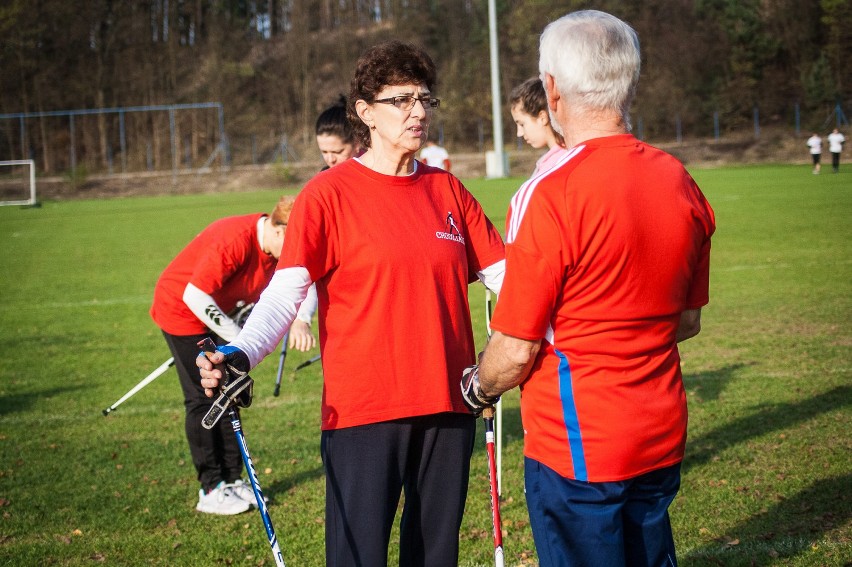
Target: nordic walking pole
[
  {"x": 281, "y": 366},
  {"x": 488, "y": 418},
  {"x": 207, "y": 345},
  {"x": 234, "y": 415},
  {"x": 493, "y": 460},
  {"x": 499, "y": 405},
  {"x": 145, "y": 381}
]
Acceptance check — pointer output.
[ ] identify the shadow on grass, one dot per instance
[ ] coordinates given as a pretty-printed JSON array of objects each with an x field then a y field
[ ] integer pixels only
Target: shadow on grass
[
  {"x": 703, "y": 448},
  {"x": 284, "y": 485},
  {"x": 708, "y": 385},
  {"x": 784, "y": 530},
  {"x": 22, "y": 402}
]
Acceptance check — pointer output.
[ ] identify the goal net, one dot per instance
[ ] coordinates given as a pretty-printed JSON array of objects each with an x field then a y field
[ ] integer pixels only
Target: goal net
[{"x": 17, "y": 182}]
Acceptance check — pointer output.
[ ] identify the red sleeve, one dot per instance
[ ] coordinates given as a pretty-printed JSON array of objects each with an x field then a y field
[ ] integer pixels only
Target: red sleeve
[
  {"x": 311, "y": 241},
  {"x": 533, "y": 279},
  {"x": 486, "y": 246},
  {"x": 699, "y": 290}
]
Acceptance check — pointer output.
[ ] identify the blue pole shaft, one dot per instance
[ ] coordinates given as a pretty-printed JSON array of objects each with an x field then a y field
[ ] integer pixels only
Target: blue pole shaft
[{"x": 258, "y": 493}]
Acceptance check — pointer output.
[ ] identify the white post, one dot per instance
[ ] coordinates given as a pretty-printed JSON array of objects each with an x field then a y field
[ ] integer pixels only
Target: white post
[
  {"x": 32, "y": 182},
  {"x": 495, "y": 162}
]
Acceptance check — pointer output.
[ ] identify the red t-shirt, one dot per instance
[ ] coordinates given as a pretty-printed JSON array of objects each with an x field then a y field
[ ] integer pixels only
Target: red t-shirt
[
  {"x": 602, "y": 256},
  {"x": 392, "y": 258},
  {"x": 225, "y": 261}
]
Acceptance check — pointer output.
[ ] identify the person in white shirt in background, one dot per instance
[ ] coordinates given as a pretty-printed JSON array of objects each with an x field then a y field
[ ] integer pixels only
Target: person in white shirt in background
[
  {"x": 435, "y": 155},
  {"x": 815, "y": 144},
  {"x": 835, "y": 146}
]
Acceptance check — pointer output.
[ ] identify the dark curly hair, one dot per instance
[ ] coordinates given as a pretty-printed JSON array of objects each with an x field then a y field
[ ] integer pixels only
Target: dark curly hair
[{"x": 388, "y": 63}]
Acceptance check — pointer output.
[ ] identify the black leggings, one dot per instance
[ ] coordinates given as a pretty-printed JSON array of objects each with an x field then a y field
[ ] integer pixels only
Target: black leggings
[
  {"x": 368, "y": 466},
  {"x": 215, "y": 452}
]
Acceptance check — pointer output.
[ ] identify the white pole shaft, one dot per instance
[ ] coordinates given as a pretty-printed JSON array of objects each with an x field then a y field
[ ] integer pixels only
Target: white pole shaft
[
  {"x": 498, "y": 418},
  {"x": 498, "y": 445},
  {"x": 145, "y": 381}
]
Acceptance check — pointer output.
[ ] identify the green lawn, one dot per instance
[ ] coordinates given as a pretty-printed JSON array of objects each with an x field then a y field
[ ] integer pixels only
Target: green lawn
[{"x": 766, "y": 481}]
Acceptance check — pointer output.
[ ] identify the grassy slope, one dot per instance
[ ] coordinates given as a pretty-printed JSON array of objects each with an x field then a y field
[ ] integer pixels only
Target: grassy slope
[{"x": 766, "y": 478}]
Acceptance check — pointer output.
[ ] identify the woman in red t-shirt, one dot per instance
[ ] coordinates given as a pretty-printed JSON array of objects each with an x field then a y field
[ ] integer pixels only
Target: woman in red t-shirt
[
  {"x": 226, "y": 265},
  {"x": 392, "y": 245}
]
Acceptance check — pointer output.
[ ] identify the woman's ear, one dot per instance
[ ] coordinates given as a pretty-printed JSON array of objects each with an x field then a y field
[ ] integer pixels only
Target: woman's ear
[
  {"x": 364, "y": 112},
  {"x": 543, "y": 118}
]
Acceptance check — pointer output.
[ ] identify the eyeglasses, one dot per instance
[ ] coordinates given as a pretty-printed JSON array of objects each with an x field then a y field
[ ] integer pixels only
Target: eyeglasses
[{"x": 406, "y": 102}]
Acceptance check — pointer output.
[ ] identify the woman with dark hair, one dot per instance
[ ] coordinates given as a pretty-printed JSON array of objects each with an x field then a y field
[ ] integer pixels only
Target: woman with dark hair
[
  {"x": 392, "y": 245},
  {"x": 335, "y": 138},
  {"x": 528, "y": 104}
]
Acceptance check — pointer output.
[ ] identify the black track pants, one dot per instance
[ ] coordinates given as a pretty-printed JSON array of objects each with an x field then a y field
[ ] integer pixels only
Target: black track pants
[
  {"x": 367, "y": 467},
  {"x": 215, "y": 452}
]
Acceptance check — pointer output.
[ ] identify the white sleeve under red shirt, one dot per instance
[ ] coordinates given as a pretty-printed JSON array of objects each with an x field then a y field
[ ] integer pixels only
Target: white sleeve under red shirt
[
  {"x": 392, "y": 258},
  {"x": 226, "y": 261},
  {"x": 603, "y": 254}
]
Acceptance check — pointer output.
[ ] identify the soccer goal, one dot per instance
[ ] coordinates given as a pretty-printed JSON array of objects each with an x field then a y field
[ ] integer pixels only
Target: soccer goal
[{"x": 17, "y": 182}]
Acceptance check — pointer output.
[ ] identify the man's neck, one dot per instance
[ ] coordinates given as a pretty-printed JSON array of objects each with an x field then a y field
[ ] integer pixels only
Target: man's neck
[{"x": 580, "y": 128}]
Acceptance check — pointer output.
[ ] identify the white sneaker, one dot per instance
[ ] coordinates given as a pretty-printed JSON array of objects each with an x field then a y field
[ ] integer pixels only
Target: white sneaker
[
  {"x": 244, "y": 490},
  {"x": 222, "y": 501}
]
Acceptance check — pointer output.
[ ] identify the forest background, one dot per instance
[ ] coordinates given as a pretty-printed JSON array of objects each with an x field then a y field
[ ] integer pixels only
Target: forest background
[{"x": 273, "y": 65}]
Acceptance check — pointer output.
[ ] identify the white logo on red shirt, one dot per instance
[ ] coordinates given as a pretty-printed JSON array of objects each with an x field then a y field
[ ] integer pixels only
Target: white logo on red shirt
[{"x": 453, "y": 233}]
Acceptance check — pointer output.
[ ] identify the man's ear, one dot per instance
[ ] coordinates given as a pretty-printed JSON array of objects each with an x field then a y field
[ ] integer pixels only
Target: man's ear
[{"x": 551, "y": 91}]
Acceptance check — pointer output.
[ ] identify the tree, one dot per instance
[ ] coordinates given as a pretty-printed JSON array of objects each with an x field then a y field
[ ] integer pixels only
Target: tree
[{"x": 275, "y": 64}]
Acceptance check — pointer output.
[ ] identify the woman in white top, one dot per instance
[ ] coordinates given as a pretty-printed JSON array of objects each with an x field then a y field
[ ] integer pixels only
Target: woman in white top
[{"x": 815, "y": 144}]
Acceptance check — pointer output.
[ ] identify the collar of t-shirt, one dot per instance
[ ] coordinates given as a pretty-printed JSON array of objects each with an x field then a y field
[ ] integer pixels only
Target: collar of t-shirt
[
  {"x": 261, "y": 224},
  {"x": 413, "y": 171}
]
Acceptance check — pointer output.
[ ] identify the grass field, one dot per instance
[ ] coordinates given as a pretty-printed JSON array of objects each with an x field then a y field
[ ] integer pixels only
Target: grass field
[{"x": 767, "y": 478}]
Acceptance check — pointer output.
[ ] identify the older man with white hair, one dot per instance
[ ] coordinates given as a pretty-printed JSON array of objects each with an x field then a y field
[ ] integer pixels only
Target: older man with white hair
[{"x": 607, "y": 269}]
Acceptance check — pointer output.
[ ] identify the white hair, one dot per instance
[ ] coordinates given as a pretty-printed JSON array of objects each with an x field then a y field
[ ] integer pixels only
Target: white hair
[{"x": 594, "y": 60}]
